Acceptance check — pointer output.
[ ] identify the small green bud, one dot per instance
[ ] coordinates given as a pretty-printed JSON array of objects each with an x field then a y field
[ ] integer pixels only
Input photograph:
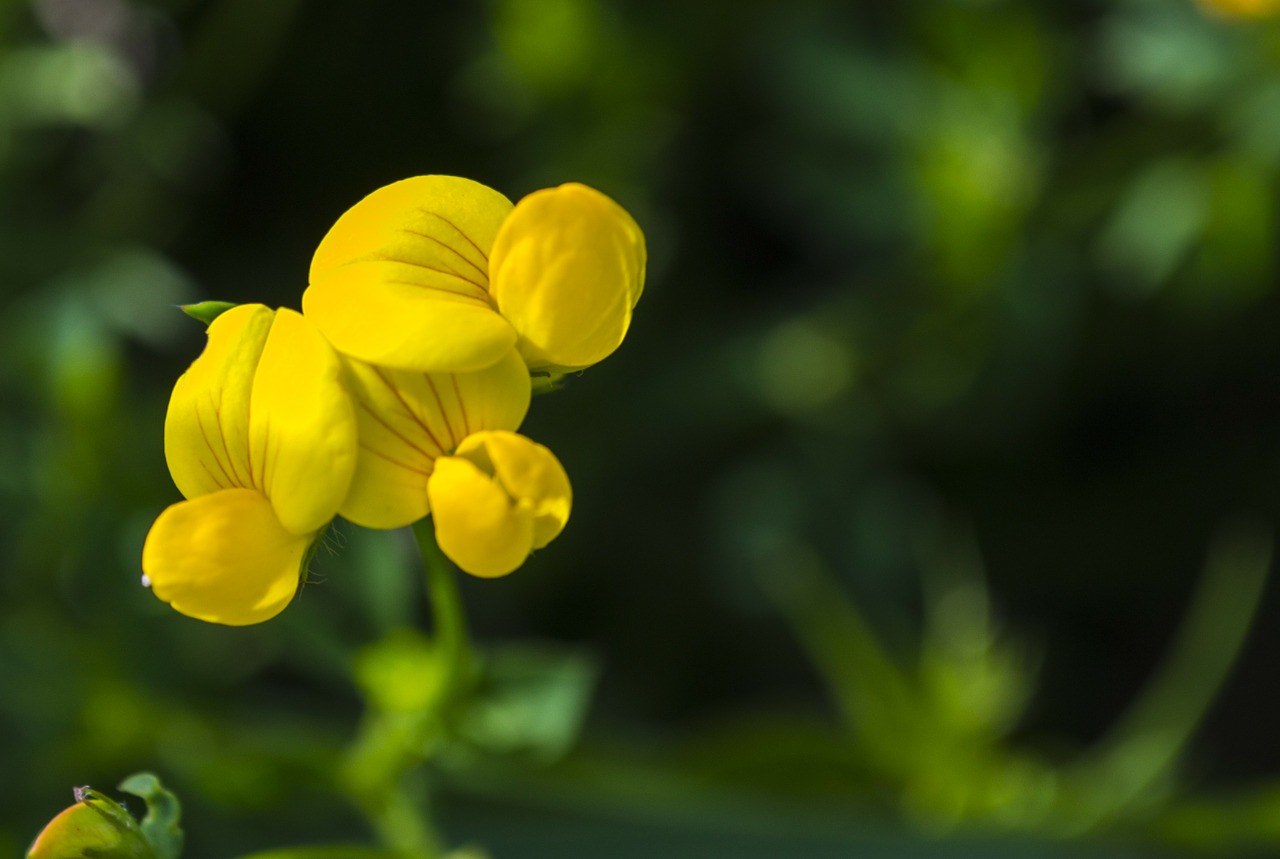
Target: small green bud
[{"x": 206, "y": 311}]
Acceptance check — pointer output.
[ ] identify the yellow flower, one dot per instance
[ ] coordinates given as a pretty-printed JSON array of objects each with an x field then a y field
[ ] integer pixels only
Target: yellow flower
[
  {"x": 443, "y": 274},
  {"x": 260, "y": 438},
  {"x": 441, "y": 444},
  {"x": 408, "y": 420},
  {"x": 498, "y": 498}
]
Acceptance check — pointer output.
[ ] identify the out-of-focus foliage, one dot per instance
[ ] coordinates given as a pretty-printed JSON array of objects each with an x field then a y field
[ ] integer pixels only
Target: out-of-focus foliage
[{"x": 959, "y": 346}]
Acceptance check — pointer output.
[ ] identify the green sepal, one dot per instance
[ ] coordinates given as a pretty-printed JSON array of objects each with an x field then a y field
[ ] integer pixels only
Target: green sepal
[
  {"x": 546, "y": 383},
  {"x": 206, "y": 311},
  {"x": 160, "y": 824}
]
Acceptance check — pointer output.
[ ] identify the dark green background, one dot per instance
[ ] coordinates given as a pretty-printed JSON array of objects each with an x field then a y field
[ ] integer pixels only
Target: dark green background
[{"x": 1002, "y": 270}]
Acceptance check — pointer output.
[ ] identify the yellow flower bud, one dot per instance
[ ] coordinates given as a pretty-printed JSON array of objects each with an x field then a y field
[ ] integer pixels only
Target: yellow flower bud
[
  {"x": 441, "y": 274},
  {"x": 94, "y": 828},
  {"x": 566, "y": 270},
  {"x": 498, "y": 498}
]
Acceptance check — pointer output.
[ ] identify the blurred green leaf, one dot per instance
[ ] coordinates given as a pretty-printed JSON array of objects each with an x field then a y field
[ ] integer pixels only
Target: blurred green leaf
[
  {"x": 160, "y": 824},
  {"x": 531, "y": 700}
]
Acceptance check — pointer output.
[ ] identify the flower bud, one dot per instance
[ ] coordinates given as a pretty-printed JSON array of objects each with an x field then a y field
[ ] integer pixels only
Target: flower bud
[{"x": 94, "y": 828}]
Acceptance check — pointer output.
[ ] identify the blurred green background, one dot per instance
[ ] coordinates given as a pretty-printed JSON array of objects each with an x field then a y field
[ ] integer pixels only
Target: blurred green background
[{"x": 924, "y": 511}]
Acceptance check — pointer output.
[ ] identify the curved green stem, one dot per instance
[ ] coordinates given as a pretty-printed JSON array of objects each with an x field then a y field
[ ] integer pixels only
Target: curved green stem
[
  {"x": 446, "y": 608},
  {"x": 393, "y": 745}
]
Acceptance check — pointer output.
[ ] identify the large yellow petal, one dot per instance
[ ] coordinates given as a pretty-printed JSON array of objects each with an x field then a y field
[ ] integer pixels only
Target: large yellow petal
[
  {"x": 477, "y": 525},
  {"x": 566, "y": 270},
  {"x": 206, "y": 430},
  {"x": 406, "y": 420},
  {"x": 264, "y": 408},
  {"x": 395, "y": 315},
  {"x": 302, "y": 425},
  {"x": 402, "y": 278},
  {"x": 531, "y": 475},
  {"x": 224, "y": 558}
]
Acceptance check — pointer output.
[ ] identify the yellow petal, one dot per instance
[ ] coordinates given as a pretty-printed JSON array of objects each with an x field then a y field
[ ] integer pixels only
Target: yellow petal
[
  {"x": 395, "y": 315},
  {"x": 402, "y": 278},
  {"x": 224, "y": 558},
  {"x": 263, "y": 407},
  {"x": 532, "y": 476},
  {"x": 477, "y": 525},
  {"x": 407, "y": 420},
  {"x": 499, "y": 498},
  {"x": 566, "y": 270},
  {"x": 302, "y": 425},
  {"x": 206, "y": 430}
]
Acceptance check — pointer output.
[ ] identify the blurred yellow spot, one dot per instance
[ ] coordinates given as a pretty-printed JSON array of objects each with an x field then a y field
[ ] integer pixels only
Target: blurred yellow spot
[{"x": 1240, "y": 8}]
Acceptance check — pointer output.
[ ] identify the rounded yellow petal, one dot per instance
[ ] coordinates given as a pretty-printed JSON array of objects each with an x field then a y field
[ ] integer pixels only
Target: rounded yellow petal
[
  {"x": 531, "y": 474},
  {"x": 446, "y": 222},
  {"x": 496, "y": 500},
  {"x": 206, "y": 429},
  {"x": 395, "y": 315},
  {"x": 302, "y": 425},
  {"x": 402, "y": 278},
  {"x": 407, "y": 420},
  {"x": 264, "y": 408},
  {"x": 224, "y": 558},
  {"x": 477, "y": 525},
  {"x": 566, "y": 270}
]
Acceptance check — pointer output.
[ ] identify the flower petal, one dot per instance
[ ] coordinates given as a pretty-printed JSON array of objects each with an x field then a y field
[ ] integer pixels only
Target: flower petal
[
  {"x": 263, "y": 407},
  {"x": 402, "y": 278},
  {"x": 206, "y": 430},
  {"x": 406, "y": 420},
  {"x": 531, "y": 475},
  {"x": 566, "y": 270},
  {"x": 394, "y": 315},
  {"x": 302, "y": 425},
  {"x": 477, "y": 525},
  {"x": 224, "y": 558}
]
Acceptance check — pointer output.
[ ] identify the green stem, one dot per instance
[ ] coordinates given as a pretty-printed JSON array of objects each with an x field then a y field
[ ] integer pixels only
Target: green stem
[
  {"x": 392, "y": 746},
  {"x": 450, "y": 624}
]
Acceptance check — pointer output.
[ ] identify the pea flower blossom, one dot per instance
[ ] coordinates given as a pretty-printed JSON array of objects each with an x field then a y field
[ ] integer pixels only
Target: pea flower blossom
[
  {"x": 440, "y": 273},
  {"x": 397, "y": 396},
  {"x": 442, "y": 444},
  {"x": 260, "y": 438}
]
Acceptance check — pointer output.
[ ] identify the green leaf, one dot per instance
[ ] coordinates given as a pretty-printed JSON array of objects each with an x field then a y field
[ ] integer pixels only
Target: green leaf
[
  {"x": 401, "y": 673},
  {"x": 160, "y": 825},
  {"x": 531, "y": 700}
]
